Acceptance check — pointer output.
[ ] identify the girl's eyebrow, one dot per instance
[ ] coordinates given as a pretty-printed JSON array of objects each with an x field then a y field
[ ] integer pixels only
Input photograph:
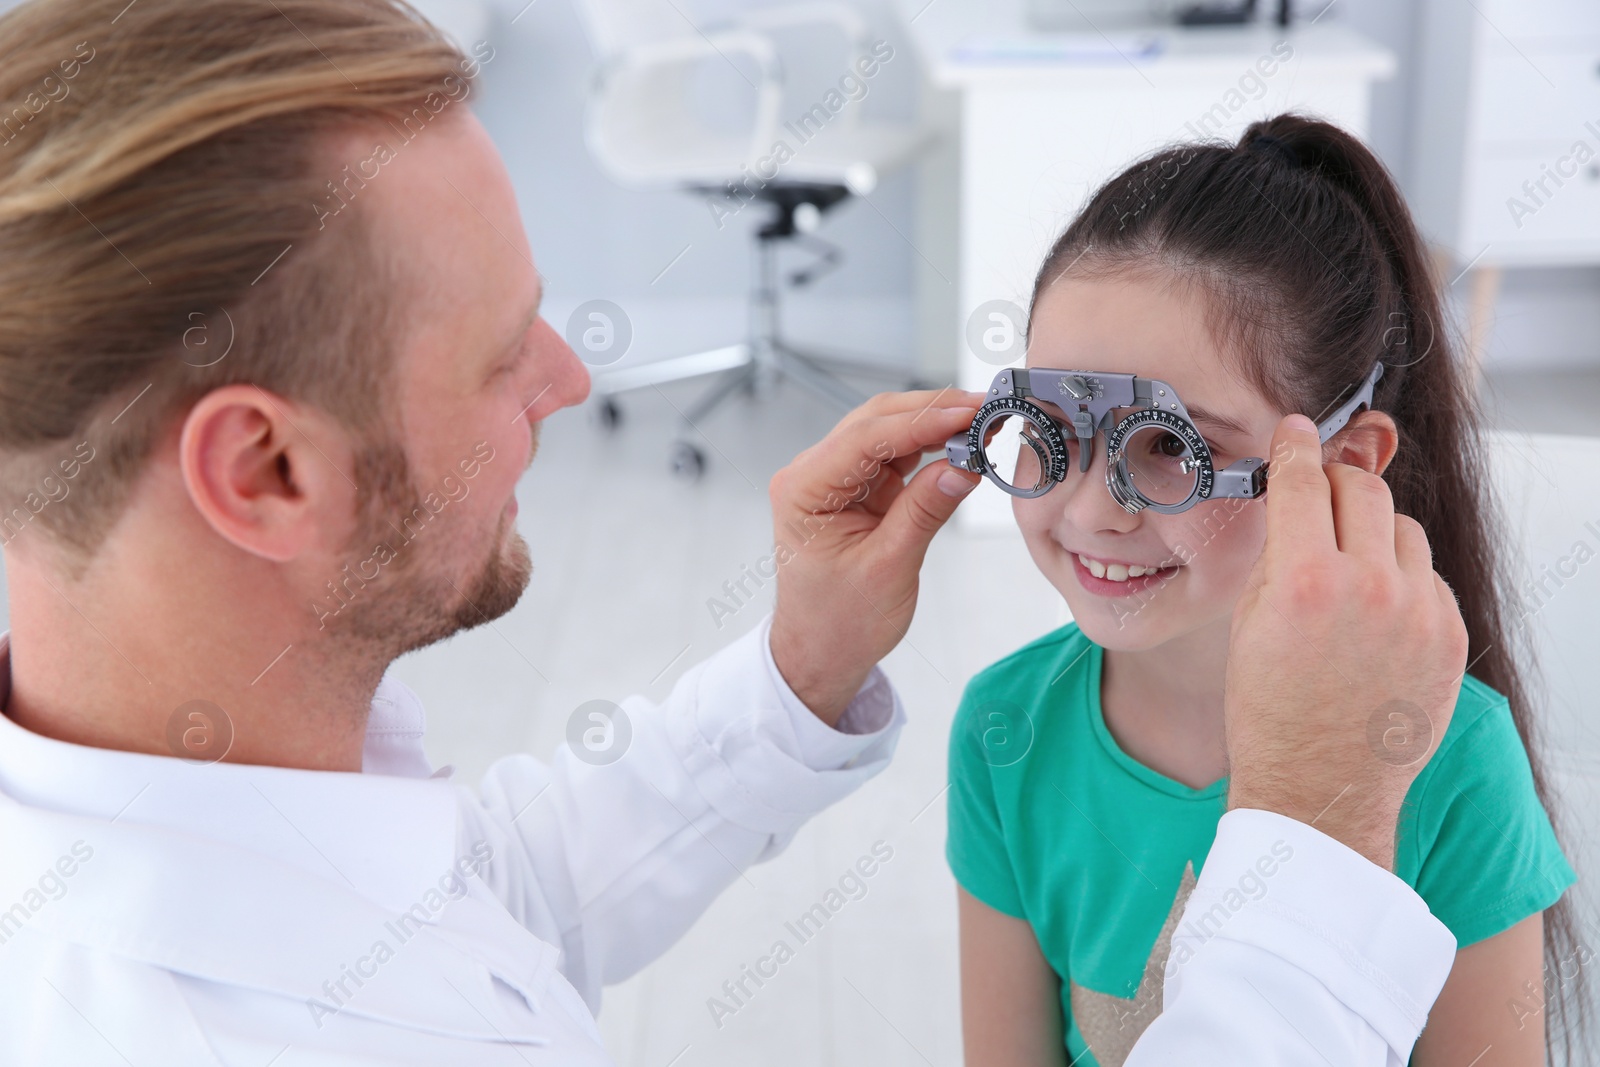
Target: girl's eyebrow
[
  {"x": 1197, "y": 413},
  {"x": 1221, "y": 422}
]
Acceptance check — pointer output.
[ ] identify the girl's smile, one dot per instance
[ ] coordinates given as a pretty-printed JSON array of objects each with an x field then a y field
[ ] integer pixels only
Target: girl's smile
[{"x": 1107, "y": 578}]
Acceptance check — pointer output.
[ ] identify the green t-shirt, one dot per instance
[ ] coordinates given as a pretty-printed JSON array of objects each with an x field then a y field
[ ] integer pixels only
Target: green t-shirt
[{"x": 1051, "y": 822}]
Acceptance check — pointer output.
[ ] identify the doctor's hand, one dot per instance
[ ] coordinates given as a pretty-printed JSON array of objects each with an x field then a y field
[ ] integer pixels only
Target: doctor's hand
[
  {"x": 1346, "y": 653},
  {"x": 851, "y": 532}
]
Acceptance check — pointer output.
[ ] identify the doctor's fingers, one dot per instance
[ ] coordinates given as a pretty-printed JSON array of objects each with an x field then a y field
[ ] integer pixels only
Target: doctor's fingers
[
  {"x": 912, "y": 403},
  {"x": 1299, "y": 511},
  {"x": 860, "y": 446},
  {"x": 889, "y": 484},
  {"x": 1363, "y": 514},
  {"x": 1415, "y": 557},
  {"x": 892, "y": 479},
  {"x": 1411, "y": 548},
  {"x": 907, "y": 430}
]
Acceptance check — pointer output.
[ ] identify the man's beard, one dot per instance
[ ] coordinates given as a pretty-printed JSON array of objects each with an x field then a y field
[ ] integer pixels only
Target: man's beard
[{"x": 421, "y": 595}]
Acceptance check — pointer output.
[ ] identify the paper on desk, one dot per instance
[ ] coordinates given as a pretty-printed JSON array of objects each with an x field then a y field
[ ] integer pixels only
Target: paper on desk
[{"x": 1059, "y": 48}]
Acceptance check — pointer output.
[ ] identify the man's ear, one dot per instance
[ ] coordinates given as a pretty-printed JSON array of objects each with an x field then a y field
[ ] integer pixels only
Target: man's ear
[
  {"x": 1368, "y": 441},
  {"x": 262, "y": 471}
]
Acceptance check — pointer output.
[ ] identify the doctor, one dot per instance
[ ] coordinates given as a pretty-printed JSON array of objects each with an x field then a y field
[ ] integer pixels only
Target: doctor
[{"x": 320, "y": 894}]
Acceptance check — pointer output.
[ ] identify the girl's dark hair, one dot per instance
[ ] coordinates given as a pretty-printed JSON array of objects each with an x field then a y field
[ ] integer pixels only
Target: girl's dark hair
[{"x": 1312, "y": 269}]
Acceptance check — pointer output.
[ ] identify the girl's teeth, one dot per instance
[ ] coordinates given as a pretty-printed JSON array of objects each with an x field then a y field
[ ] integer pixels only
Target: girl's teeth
[{"x": 1116, "y": 572}]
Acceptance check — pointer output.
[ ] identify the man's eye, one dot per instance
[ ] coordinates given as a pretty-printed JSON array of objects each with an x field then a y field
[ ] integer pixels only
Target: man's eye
[{"x": 508, "y": 366}]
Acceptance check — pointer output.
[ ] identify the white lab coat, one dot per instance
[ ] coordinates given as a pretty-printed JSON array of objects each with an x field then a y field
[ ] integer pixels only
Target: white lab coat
[{"x": 153, "y": 911}]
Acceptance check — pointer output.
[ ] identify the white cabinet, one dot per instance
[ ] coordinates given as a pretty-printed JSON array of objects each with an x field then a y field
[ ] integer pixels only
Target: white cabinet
[{"x": 1506, "y": 170}]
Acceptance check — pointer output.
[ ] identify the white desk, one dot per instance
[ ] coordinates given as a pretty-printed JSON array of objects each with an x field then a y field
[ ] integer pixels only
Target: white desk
[{"x": 1034, "y": 122}]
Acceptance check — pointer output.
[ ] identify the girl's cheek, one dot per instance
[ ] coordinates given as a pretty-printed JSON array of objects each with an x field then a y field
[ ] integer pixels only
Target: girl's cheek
[
  {"x": 1223, "y": 541},
  {"x": 1033, "y": 515}
]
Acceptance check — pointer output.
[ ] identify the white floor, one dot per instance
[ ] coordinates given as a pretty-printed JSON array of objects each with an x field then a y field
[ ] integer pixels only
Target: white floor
[{"x": 626, "y": 558}]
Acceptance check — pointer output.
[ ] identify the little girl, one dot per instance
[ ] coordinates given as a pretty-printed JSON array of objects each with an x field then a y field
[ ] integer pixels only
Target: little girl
[{"x": 1088, "y": 769}]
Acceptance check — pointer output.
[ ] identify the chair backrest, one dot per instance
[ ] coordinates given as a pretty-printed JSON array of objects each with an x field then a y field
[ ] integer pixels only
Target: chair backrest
[
  {"x": 1550, "y": 487},
  {"x": 613, "y": 25}
]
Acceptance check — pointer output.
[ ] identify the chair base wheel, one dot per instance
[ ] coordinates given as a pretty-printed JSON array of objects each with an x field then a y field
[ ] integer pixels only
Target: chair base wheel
[{"x": 688, "y": 462}]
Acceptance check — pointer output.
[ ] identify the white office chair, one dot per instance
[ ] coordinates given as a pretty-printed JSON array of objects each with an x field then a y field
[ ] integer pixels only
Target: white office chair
[{"x": 643, "y": 133}]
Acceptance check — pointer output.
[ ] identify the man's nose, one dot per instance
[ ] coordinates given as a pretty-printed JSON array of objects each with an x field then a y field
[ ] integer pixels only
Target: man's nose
[{"x": 565, "y": 378}]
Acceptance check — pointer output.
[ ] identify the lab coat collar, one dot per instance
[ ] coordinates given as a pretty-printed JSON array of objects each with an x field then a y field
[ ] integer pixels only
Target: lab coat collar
[
  {"x": 289, "y": 877},
  {"x": 386, "y": 836}
]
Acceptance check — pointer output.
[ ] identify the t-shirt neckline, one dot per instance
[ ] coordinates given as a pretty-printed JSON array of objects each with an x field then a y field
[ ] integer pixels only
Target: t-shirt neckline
[{"x": 1147, "y": 775}]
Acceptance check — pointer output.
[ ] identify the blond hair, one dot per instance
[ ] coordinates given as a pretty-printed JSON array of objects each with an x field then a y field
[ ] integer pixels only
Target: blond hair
[{"x": 171, "y": 220}]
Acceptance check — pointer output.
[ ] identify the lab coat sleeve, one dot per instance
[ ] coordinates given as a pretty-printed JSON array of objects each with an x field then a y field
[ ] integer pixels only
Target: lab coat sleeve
[
  {"x": 1296, "y": 950},
  {"x": 612, "y": 861}
]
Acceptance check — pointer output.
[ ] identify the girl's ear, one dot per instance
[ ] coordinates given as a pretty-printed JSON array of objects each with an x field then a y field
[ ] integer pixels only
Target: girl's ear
[{"x": 1369, "y": 441}]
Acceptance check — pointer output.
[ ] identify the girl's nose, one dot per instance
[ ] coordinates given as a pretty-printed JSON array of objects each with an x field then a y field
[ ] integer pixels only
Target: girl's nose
[{"x": 1086, "y": 503}]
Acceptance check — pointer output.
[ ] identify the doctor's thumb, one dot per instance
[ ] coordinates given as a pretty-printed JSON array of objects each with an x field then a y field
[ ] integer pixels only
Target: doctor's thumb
[{"x": 923, "y": 506}]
